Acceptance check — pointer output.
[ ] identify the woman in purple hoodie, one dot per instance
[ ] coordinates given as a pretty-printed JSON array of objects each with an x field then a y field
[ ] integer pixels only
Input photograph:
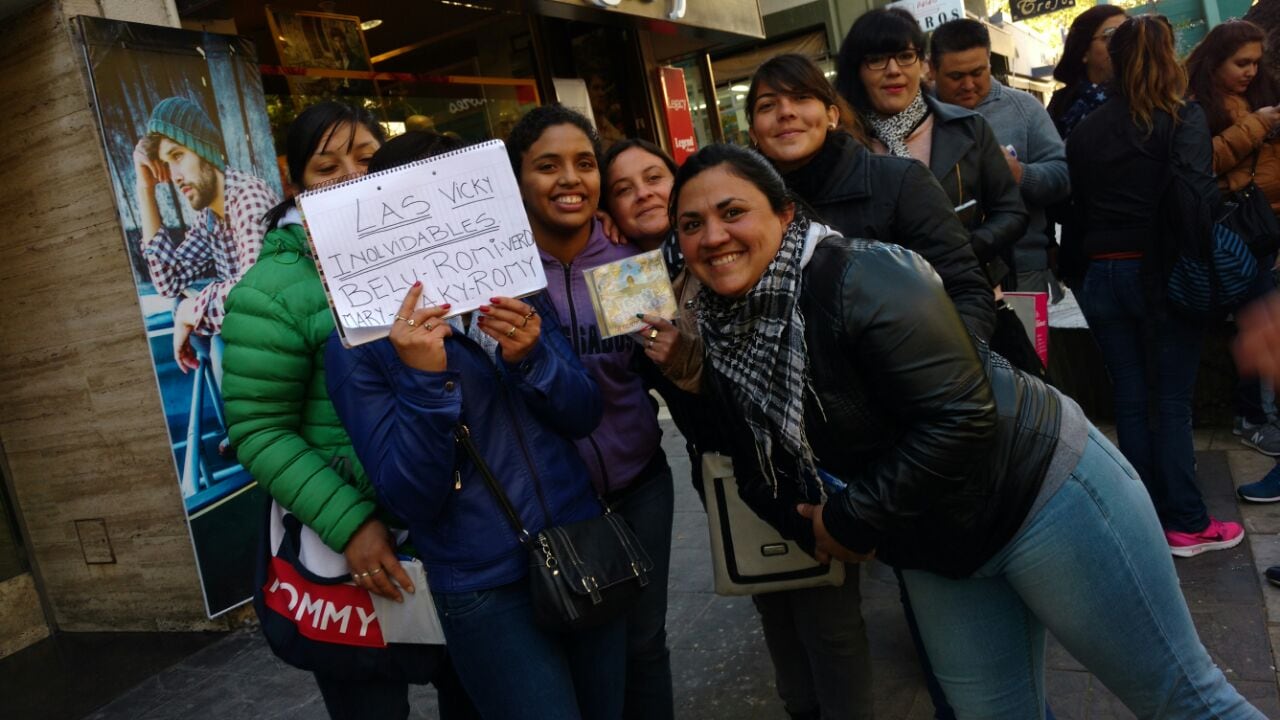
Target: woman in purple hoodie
[{"x": 555, "y": 154}]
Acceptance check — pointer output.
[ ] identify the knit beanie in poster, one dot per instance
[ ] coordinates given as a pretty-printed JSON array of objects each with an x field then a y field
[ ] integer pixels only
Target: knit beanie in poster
[{"x": 183, "y": 122}]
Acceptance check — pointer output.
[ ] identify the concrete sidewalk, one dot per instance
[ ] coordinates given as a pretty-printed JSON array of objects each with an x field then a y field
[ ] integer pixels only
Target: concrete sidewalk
[{"x": 720, "y": 664}]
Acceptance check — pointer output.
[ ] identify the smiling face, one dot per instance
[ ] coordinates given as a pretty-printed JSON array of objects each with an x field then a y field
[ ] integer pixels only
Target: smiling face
[
  {"x": 560, "y": 180},
  {"x": 340, "y": 154},
  {"x": 196, "y": 178},
  {"x": 790, "y": 128},
  {"x": 892, "y": 88},
  {"x": 1097, "y": 61},
  {"x": 963, "y": 78},
  {"x": 728, "y": 231},
  {"x": 639, "y": 185},
  {"x": 1236, "y": 72}
]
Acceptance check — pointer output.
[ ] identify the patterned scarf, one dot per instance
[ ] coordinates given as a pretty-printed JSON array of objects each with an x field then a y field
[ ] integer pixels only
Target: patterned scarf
[
  {"x": 1089, "y": 97},
  {"x": 757, "y": 342},
  {"x": 893, "y": 130}
]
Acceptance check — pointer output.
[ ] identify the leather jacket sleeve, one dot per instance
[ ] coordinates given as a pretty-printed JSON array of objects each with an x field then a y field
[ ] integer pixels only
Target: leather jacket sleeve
[
  {"x": 900, "y": 332},
  {"x": 552, "y": 381},
  {"x": 924, "y": 222},
  {"x": 1004, "y": 217}
]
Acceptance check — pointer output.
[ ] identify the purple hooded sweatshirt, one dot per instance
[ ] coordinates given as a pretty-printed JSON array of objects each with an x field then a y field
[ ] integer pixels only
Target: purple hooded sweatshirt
[{"x": 628, "y": 435}]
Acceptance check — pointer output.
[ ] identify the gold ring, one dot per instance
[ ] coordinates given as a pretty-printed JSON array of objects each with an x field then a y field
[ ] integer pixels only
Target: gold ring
[
  {"x": 512, "y": 331},
  {"x": 411, "y": 322},
  {"x": 402, "y": 318},
  {"x": 429, "y": 327},
  {"x": 653, "y": 334},
  {"x": 374, "y": 571},
  {"x": 531, "y": 313},
  {"x": 360, "y": 575}
]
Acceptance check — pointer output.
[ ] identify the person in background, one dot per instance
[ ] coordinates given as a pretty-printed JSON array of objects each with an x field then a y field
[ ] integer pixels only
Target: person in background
[
  {"x": 960, "y": 56},
  {"x": 1085, "y": 67},
  {"x": 279, "y": 414},
  {"x": 506, "y": 377},
  {"x": 555, "y": 154},
  {"x": 1008, "y": 512},
  {"x": 879, "y": 72},
  {"x": 1117, "y": 156},
  {"x": 1238, "y": 95}
]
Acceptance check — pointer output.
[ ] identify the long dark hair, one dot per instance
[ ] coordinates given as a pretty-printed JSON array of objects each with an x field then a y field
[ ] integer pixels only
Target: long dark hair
[
  {"x": 622, "y": 146},
  {"x": 1148, "y": 74},
  {"x": 746, "y": 164},
  {"x": 412, "y": 145},
  {"x": 1215, "y": 49},
  {"x": 308, "y": 131},
  {"x": 883, "y": 30},
  {"x": 794, "y": 74},
  {"x": 1070, "y": 70}
]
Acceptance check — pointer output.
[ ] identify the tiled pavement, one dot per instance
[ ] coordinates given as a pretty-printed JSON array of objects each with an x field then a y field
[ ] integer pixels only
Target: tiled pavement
[{"x": 719, "y": 660}]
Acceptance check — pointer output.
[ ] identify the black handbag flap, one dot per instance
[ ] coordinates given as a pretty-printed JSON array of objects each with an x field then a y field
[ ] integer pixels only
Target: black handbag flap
[{"x": 594, "y": 554}]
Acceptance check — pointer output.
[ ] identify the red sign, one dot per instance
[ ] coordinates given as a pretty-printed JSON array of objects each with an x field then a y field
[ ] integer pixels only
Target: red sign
[
  {"x": 329, "y": 613},
  {"x": 675, "y": 105}
]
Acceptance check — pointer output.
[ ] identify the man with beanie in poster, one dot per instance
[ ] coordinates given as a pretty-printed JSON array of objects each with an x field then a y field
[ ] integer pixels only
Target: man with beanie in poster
[{"x": 183, "y": 146}]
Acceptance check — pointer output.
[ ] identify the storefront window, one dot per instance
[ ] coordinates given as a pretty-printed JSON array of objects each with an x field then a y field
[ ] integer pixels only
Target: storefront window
[{"x": 697, "y": 102}]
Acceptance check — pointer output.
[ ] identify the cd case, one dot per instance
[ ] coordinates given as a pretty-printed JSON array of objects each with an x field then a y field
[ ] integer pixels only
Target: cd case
[{"x": 623, "y": 288}]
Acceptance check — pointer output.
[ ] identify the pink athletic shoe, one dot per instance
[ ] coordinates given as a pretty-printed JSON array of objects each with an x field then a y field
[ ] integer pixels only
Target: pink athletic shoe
[{"x": 1218, "y": 536}]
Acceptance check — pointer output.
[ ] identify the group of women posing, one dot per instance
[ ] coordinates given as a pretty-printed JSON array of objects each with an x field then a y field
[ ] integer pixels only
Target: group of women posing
[{"x": 831, "y": 298}]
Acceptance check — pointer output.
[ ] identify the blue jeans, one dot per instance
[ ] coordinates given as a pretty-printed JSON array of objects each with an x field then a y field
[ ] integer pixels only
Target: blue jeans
[
  {"x": 649, "y": 509},
  {"x": 1094, "y": 569},
  {"x": 514, "y": 669},
  {"x": 1136, "y": 340}
]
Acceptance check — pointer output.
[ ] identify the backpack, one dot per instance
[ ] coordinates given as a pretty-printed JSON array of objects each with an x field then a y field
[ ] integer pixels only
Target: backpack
[{"x": 1206, "y": 265}]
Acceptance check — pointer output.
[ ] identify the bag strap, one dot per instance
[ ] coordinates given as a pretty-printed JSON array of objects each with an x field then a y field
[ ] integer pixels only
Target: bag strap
[
  {"x": 1253, "y": 169},
  {"x": 462, "y": 434}
]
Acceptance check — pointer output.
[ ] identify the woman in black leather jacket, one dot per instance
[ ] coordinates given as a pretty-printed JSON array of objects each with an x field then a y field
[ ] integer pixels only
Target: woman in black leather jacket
[
  {"x": 799, "y": 122},
  {"x": 1007, "y": 511},
  {"x": 879, "y": 72}
]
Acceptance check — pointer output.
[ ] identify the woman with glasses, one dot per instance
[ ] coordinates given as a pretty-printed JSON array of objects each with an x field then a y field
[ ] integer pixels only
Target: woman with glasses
[
  {"x": 1085, "y": 67},
  {"x": 1117, "y": 157},
  {"x": 879, "y": 73}
]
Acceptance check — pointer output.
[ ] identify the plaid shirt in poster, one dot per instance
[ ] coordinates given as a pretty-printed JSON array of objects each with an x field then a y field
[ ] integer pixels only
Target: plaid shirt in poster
[{"x": 224, "y": 248}]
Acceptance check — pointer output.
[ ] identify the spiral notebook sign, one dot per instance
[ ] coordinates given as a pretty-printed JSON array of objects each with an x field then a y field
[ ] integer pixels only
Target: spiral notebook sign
[{"x": 454, "y": 222}]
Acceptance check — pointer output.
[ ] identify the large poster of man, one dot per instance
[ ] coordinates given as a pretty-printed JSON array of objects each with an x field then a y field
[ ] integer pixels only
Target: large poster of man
[{"x": 189, "y": 149}]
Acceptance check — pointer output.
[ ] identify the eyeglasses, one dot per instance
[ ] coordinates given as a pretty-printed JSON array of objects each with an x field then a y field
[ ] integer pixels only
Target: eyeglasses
[
  {"x": 1105, "y": 34},
  {"x": 880, "y": 62}
]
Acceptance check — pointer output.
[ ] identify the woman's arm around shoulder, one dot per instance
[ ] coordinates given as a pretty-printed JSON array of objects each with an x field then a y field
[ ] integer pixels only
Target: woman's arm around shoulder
[{"x": 268, "y": 368}]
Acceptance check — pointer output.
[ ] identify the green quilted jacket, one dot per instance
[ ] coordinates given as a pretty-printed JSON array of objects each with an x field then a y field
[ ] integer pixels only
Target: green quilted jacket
[{"x": 282, "y": 423}]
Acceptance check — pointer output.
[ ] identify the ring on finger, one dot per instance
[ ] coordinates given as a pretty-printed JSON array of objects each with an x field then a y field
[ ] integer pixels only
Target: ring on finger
[
  {"x": 649, "y": 344},
  {"x": 653, "y": 334},
  {"x": 402, "y": 318},
  {"x": 411, "y": 322},
  {"x": 374, "y": 571},
  {"x": 360, "y": 575},
  {"x": 528, "y": 315},
  {"x": 429, "y": 327},
  {"x": 512, "y": 331}
]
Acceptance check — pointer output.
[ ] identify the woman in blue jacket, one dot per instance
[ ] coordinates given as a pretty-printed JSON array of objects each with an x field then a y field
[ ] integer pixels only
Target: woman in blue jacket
[{"x": 508, "y": 376}]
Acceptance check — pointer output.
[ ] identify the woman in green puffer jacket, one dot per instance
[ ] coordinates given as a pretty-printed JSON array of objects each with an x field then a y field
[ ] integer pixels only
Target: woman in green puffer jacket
[{"x": 282, "y": 423}]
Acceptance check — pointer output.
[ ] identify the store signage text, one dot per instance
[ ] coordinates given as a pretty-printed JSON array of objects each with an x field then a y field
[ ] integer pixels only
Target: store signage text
[
  {"x": 675, "y": 106},
  {"x": 932, "y": 13},
  {"x": 1023, "y": 9},
  {"x": 675, "y": 8}
]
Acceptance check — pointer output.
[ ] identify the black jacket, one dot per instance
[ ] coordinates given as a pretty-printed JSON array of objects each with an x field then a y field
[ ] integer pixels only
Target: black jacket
[
  {"x": 877, "y": 197},
  {"x": 967, "y": 161},
  {"x": 1118, "y": 172},
  {"x": 944, "y": 446}
]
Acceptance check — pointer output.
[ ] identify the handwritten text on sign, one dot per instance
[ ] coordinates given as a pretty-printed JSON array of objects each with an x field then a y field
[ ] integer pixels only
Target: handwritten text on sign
[{"x": 456, "y": 224}]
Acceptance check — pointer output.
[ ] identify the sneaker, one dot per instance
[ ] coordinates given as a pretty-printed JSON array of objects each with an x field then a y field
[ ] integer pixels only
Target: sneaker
[
  {"x": 1243, "y": 428},
  {"x": 1265, "y": 439},
  {"x": 1266, "y": 490},
  {"x": 1273, "y": 575},
  {"x": 1218, "y": 536}
]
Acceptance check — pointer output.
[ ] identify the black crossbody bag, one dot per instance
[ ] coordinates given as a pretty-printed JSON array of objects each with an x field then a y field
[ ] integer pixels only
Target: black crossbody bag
[
  {"x": 582, "y": 574},
  {"x": 1248, "y": 212}
]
